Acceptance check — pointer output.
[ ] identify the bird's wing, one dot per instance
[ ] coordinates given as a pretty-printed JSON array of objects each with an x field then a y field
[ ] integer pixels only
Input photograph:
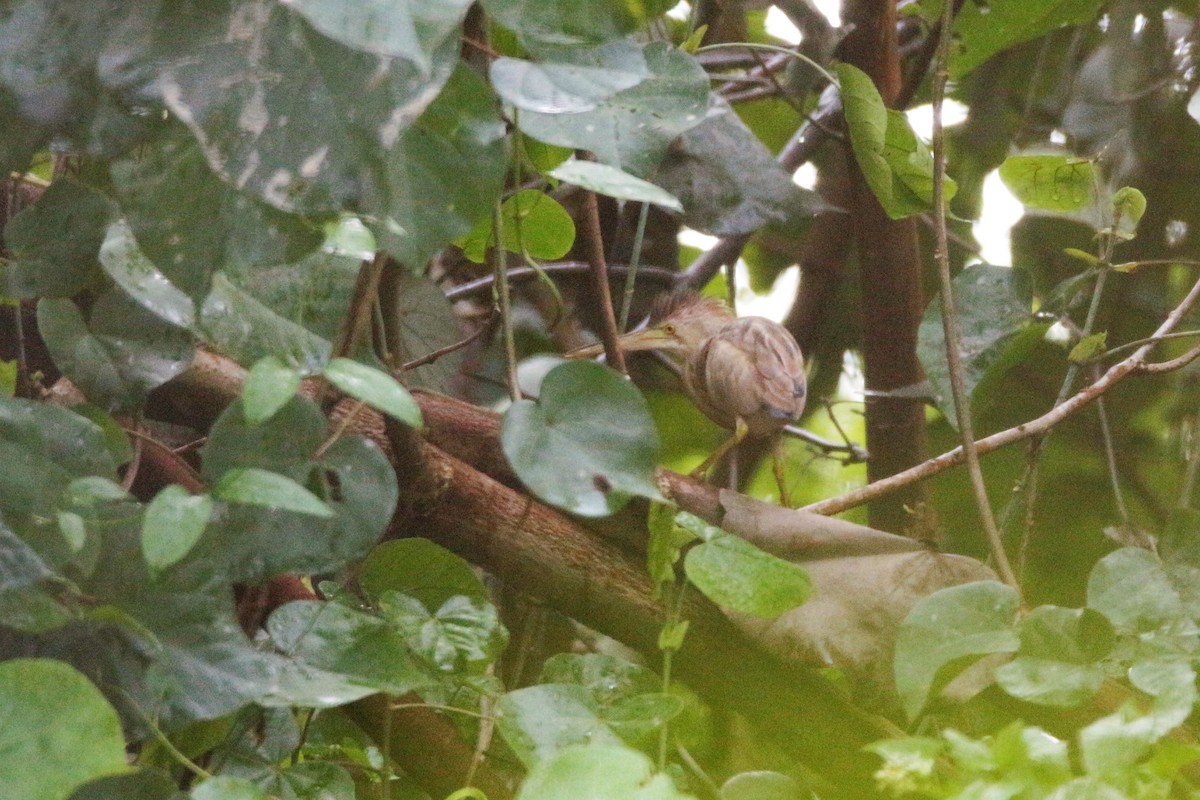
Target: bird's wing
[{"x": 752, "y": 368}]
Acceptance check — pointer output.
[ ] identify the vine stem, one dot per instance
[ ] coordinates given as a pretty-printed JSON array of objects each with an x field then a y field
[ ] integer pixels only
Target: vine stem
[
  {"x": 595, "y": 250},
  {"x": 504, "y": 300},
  {"x": 1135, "y": 363},
  {"x": 962, "y": 401}
]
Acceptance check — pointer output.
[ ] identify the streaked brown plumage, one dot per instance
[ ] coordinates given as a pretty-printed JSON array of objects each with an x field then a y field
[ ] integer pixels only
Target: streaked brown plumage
[{"x": 745, "y": 373}]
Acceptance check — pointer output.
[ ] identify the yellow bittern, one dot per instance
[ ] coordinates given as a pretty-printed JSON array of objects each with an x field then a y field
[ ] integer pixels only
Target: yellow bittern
[{"x": 745, "y": 373}]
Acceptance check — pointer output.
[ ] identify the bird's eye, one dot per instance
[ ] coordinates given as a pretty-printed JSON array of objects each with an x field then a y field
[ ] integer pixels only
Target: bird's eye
[{"x": 669, "y": 329}]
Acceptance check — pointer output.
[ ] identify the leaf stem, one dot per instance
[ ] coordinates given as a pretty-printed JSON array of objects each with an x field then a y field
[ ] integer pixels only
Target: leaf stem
[
  {"x": 634, "y": 259},
  {"x": 962, "y": 402},
  {"x": 773, "y": 48}
]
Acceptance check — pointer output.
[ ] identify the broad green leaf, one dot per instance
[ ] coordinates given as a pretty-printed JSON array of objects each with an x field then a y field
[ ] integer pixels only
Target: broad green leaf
[
  {"x": 587, "y": 445},
  {"x": 58, "y": 731},
  {"x": 375, "y": 388},
  {"x": 994, "y": 306},
  {"x": 968, "y": 621},
  {"x": 896, "y": 164},
  {"x": 532, "y": 223},
  {"x": 258, "y": 487},
  {"x": 983, "y": 31},
  {"x": 119, "y": 354},
  {"x": 307, "y": 780},
  {"x": 115, "y": 437},
  {"x": 632, "y": 129},
  {"x": 142, "y": 280},
  {"x": 727, "y": 180},
  {"x": 54, "y": 245},
  {"x": 337, "y": 639},
  {"x": 269, "y": 385},
  {"x": 421, "y": 569},
  {"x": 761, "y": 785},
  {"x": 540, "y": 721},
  {"x": 560, "y": 24},
  {"x": 1129, "y": 204},
  {"x": 598, "y": 771},
  {"x": 738, "y": 576},
  {"x": 462, "y": 636},
  {"x": 46, "y": 447},
  {"x": 237, "y": 324},
  {"x": 608, "y": 678},
  {"x": 1058, "y": 660},
  {"x": 590, "y": 77},
  {"x": 20, "y": 565},
  {"x": 31, "y": 610},
  {"x": 444, "y": 173},
  {"x": 191, "y": 224},
  {"x": 1131, "y": 588},
  {"x": 413, "y": 31},
  {"x": 613, "y": 182},
  {"x": 250, "y": 543},
  {"x": 228, "y": 787},
  {"x": 175, "y": 520},
  {"x": 1049, "y": 182},
  {"x": 1088, "y": 348}
]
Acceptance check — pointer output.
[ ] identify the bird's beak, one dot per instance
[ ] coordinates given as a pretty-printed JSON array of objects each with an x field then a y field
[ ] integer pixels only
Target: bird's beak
[{"x": 648, "y": 339}]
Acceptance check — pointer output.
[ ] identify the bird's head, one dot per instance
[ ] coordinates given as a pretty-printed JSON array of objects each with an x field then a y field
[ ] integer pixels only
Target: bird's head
[{"x": 681, "y": 322}]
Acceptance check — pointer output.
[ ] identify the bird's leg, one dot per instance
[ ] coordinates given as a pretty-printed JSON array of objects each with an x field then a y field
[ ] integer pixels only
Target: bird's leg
[
  {"x": 739, "y": 434},
  {"x": 785, "y": 498}
]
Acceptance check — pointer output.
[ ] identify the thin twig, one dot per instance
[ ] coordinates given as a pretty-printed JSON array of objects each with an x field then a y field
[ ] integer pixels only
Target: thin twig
[
  {"x": 634, "y": 259},
  {"x": 448, "y": 349},
  {"x": 504, "y": 298},
  {"x": 1136, "y": 363},
  {"x": 663, "y": 277},
  {"x": 595, "y": 246},
  {"x": 962, "y": 401}
]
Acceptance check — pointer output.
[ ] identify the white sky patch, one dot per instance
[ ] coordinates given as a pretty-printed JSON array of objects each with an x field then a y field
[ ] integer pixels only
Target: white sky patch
[
  {"x": 806, "y": 176},
  {"x": 921, "y": 117},
  {"x": 779, "y": 26},
  {"x": 1001, "y": 210},
  {"x": 832, "y": 9},
  {"x": 773, "y": 305},
  {"x": 691, "y": 238},
  {"x": 681, "y": 12}
]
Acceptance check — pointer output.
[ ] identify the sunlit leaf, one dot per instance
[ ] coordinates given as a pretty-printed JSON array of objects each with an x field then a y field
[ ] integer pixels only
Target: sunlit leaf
[
  {"x": 613, "y": 182},
  {"x": 1048, "y": 182},
  {"x": 532, "y": 223},
  {"x": 175, "y": 519}
]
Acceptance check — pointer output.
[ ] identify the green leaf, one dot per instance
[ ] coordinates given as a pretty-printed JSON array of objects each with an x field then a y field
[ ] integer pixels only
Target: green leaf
[
  {"x": 376, "y": 388},
  {"x": 728, "y": 181},
  {"x": 613, "y": 182},
  {"x": 532, "y": 222},
  {"x": 463, "y": 635},
  {"x": 31, "y": 610},
  {"x": 54, "y": 245},
  {"x": 175, "y": 520},
  {"x": 142, "y": 280},
  {"x": 957, "y": 623},
  {"x": 598, "y": 771},
  {"x": 1051, "y": 183},
  {"x": 994, "y": 307},
  {"x": 558, "y": 23},
  {"x": 119, "y": 354},
  {"x": 540, "y": 721},
  {"x": 738, "y": 576},
  {"x": 421, "y": 569},
  {"x": 667, "y": 539},
  {"x": 608, "y": 678},
  {"x": 1129, "y": 204},
  {"x": 258, "y": 487},
  {"x": 1088, "y": 348},
  {"x": 407, "y": 30},
  {"x": 237, "y": 324},
  {"x": 269, "y": 385},
  {"x": 590, "y": 77},
  {"x": 896, "y": 164},
  {"x": 632, "y": 129},
  {"x": 191, "y": 224},
  {"x": 228, "y": 787},
  {"x": 58, "y": 732},
  {"x": 1131, "y": 588},
  {"x": 587, "y": 445},
  {"x": 1057, "y": 663},
  {"x": 46, "y": 447},
  {"x": 761, "y": 785},
  {"x": 144, "y": 784},
  {"x": 421, "y": 321},
  {"x": 983, "y": 31},
  {"x": 341, "y": 640}
]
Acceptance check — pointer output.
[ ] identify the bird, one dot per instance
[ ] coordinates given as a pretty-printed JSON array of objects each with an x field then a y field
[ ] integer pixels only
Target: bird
[{"x": 745, "y": 373}]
